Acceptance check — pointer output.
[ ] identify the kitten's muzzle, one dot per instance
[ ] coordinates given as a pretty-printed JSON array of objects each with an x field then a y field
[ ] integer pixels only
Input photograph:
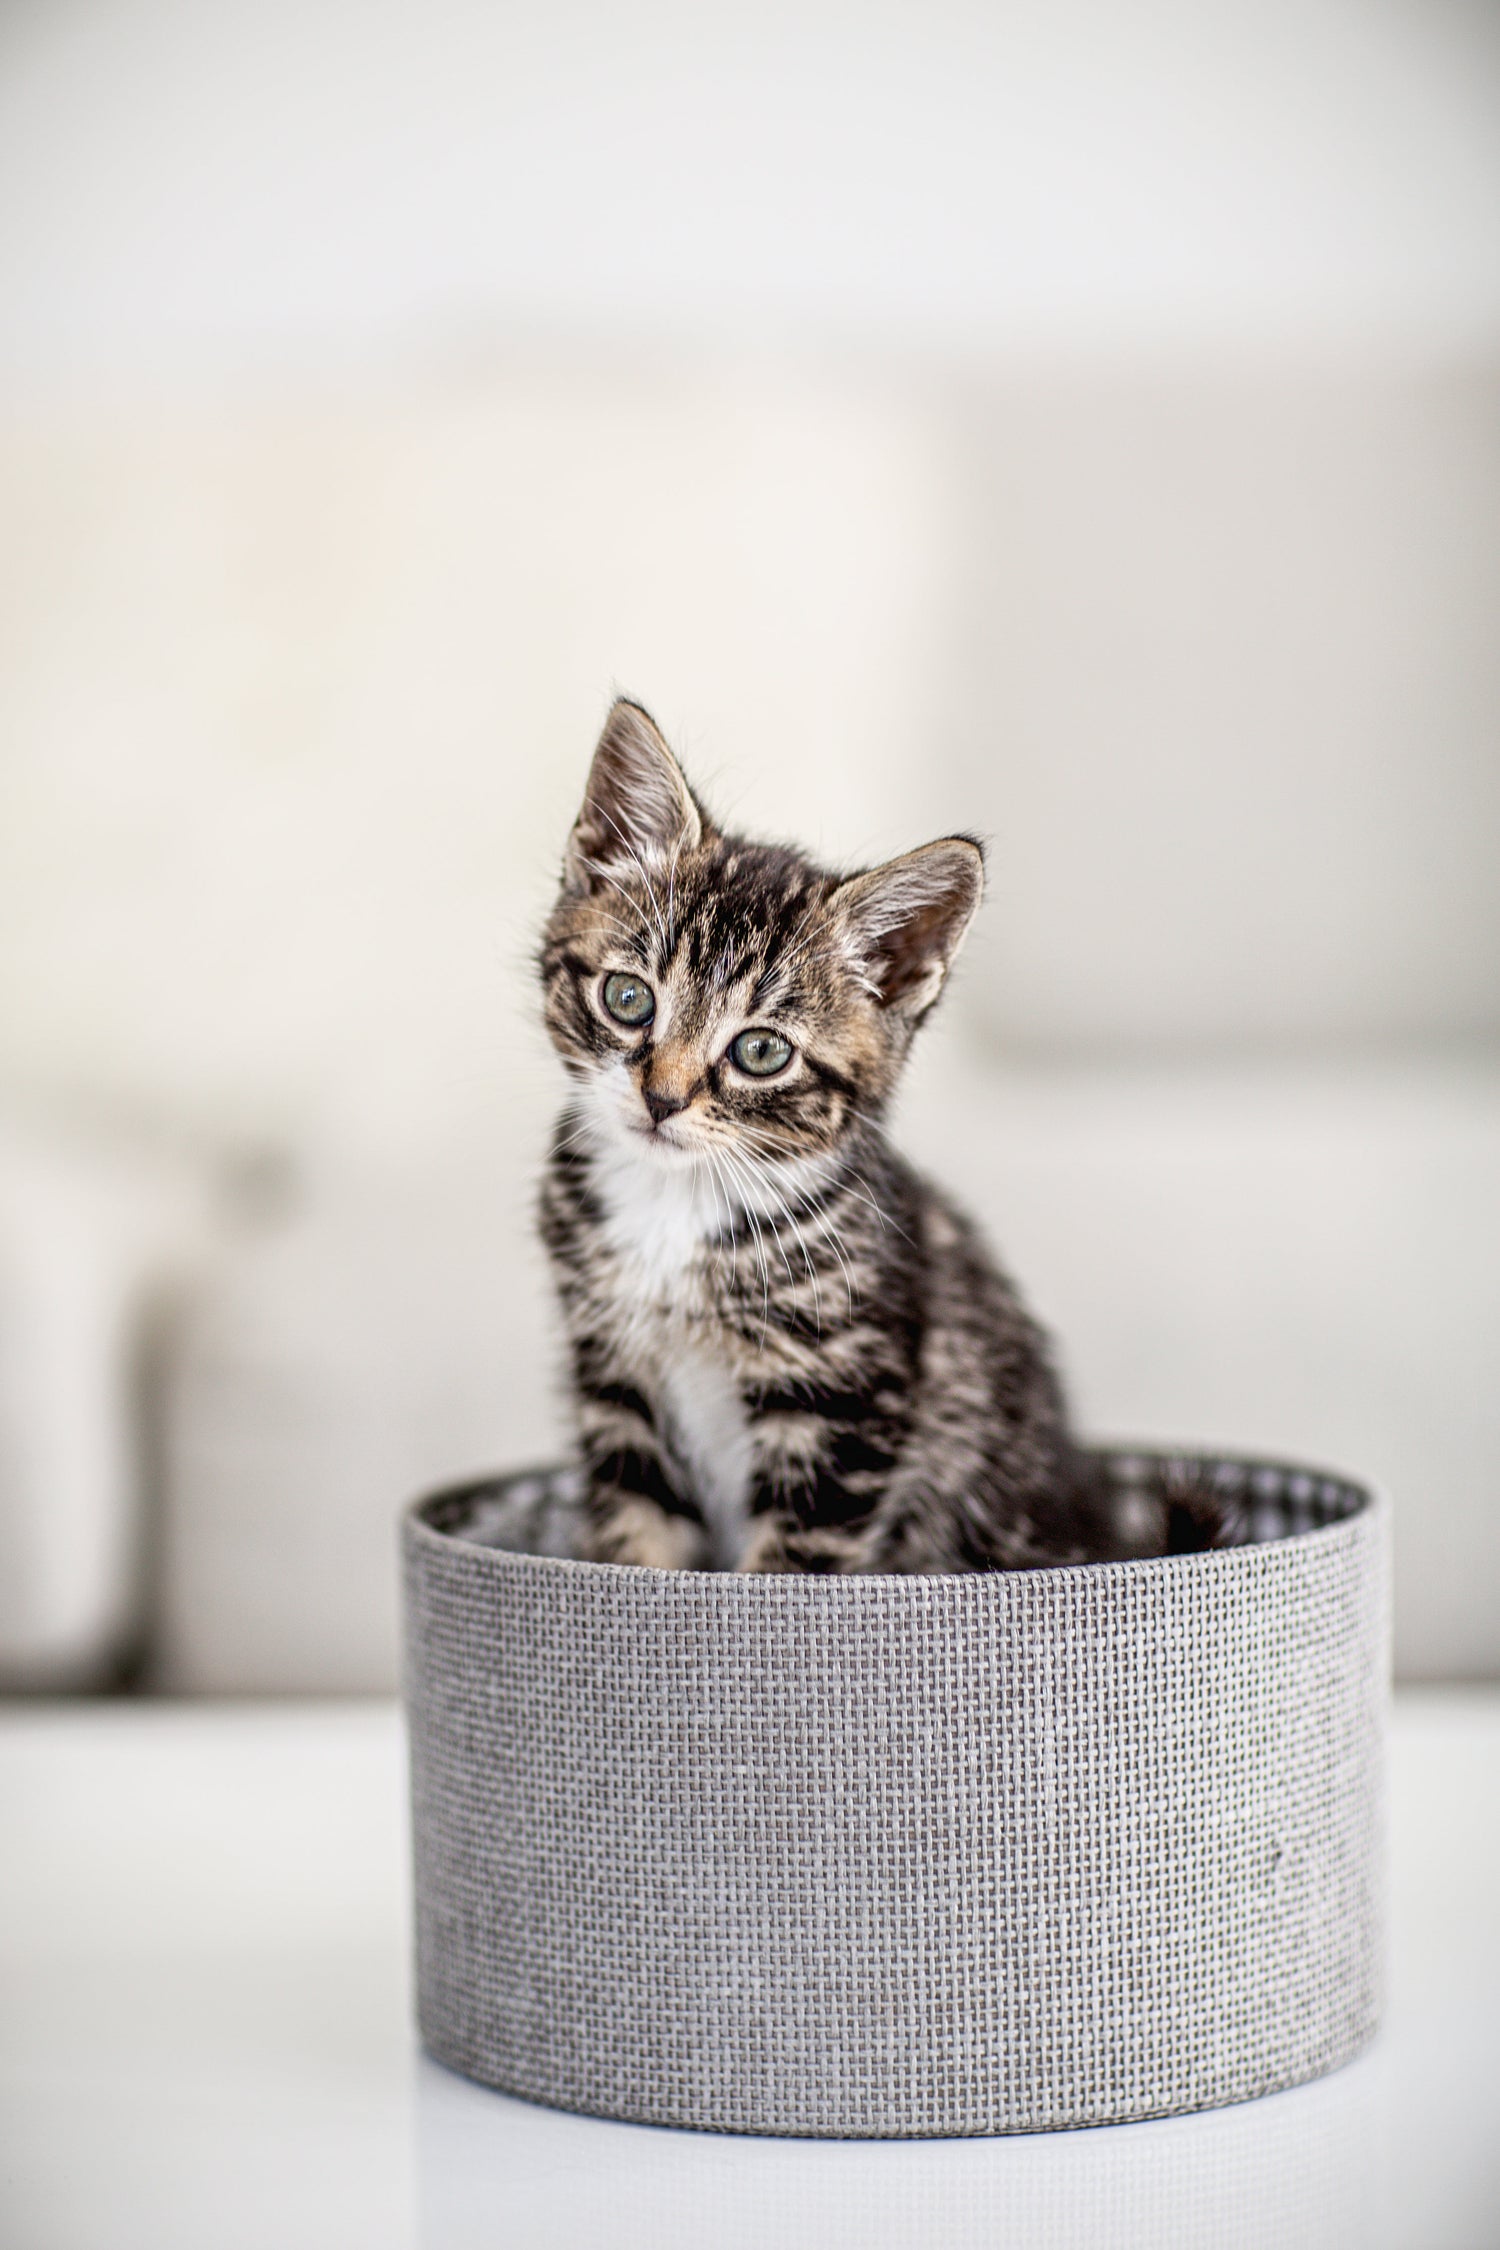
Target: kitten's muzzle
[{"x": 662, "y": 1106}]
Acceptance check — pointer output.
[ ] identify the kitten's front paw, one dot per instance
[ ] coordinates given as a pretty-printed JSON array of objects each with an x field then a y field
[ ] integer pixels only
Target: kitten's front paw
[
  {"x": 778, "y": 1545},
  {"x": 766, "y": 1549},
  {"x": 638, "y": 1531}
]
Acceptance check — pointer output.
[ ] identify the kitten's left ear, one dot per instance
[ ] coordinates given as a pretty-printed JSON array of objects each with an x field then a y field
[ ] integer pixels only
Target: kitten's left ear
[
  {"x": 904, "y": 923},
  {"x": 637, "y": 805}
]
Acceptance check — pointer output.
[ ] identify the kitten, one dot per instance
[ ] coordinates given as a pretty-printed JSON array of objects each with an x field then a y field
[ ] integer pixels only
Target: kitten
[{"x": 789, "y": 1352}]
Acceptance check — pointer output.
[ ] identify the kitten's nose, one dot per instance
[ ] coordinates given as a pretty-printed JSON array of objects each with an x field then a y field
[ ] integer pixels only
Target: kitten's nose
[{"x": 664, "y": 1105}]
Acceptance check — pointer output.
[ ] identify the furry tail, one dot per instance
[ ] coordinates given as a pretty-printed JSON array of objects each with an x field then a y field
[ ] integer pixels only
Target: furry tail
[{"x": 1136, "y": 1506}]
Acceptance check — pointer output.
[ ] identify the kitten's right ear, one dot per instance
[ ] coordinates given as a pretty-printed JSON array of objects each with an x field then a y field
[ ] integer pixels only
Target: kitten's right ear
[
  {"x": 638, "y": 810},
  {"x": 904, "y": 922}
]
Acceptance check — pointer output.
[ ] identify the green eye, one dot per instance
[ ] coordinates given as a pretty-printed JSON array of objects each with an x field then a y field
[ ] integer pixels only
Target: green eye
[
  {"x": 760, "y": 1054},
  {"x": 629, "y": 999}
]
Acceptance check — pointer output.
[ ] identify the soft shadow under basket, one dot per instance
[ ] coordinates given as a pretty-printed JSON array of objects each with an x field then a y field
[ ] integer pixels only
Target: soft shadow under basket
[{"x": 898, "y": 1856}]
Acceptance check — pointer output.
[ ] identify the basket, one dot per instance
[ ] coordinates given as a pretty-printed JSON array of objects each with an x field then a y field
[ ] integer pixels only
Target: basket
[{"x": 899, "y": 1856}]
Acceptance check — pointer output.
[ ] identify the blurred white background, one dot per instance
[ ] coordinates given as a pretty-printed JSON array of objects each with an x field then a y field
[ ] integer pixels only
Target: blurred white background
[{"x": 1080, "y": 423}]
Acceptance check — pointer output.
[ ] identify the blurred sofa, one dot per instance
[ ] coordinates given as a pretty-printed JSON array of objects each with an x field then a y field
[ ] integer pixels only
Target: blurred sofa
[
  {"x": 299, "y": 694},
  {"x": 1247, "y": 1257},
  {"x": 96, "y": 1232}
]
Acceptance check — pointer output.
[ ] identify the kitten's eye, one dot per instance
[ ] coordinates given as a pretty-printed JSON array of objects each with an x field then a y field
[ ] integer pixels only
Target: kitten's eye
[
  {"x": 629, "y": 1000},
  {"x": 760, "y": 1054}
]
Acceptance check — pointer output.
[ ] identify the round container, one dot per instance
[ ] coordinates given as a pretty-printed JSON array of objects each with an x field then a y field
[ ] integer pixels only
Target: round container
[{"x": 899, "y": 1856}]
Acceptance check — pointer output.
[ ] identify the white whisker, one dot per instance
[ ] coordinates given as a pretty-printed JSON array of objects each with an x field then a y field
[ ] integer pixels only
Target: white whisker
[
  {"x": 633, "y": 903},
  {"x": 723, "y": 1157},
  {"x": 634, "y": 854},
  {"x": 740, "y": 1167},
  {"x": 807, "y": 1260},
  {"x": 792, "y": 950},
  {"x": 672, "y": 897},
  {"x": 727, "y": 1230}
]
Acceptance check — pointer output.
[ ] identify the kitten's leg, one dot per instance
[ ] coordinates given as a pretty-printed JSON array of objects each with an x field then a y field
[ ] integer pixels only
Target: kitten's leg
[
  {"x": 621, "y": 1527},
  {"x": 779, "y": 1543},
  {"x": 824, "y": 1456},
  {"x": 766, "y": 1547},
  {"x": 633, "y": 1512}
]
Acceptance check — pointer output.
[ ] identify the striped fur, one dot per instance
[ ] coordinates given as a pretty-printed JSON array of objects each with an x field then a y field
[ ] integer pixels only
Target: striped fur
[{"x": 788, "y": 1352}]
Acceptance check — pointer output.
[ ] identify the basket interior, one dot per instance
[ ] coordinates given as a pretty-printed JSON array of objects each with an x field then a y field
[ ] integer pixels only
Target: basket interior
[{"x": 538, "y": 1511}]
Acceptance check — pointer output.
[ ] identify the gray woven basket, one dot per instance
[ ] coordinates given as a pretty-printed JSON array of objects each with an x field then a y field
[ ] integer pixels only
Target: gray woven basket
[{"x": 898, "y": 1856}]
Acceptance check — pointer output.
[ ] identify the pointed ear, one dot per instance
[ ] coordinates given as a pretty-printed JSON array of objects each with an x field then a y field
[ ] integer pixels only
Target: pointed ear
[
  {"x": 637, "y": 807},
  {"x": 904, "y": 922}
]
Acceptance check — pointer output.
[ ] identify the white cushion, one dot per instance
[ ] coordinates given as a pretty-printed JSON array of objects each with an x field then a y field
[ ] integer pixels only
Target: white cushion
[{"x": 91, "y": 1231}]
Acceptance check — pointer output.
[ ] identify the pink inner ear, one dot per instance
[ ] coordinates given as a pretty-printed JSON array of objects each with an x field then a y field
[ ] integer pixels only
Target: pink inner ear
[
  {"x": 637, "y": 805},
  {"x": 908, "y": 918},
  {"x": 904, "y": 956}
]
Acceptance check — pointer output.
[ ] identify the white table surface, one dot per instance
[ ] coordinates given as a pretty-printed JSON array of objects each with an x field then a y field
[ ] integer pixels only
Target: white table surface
[{"x": 205, "y": 2040}]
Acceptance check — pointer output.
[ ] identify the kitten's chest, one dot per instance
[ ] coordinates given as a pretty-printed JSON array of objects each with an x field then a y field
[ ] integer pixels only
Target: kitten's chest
[
  {"x": 708, "y": 1431},
  {"x": 664, "y": 1288},
  {"x": 656, "y": 1240}
]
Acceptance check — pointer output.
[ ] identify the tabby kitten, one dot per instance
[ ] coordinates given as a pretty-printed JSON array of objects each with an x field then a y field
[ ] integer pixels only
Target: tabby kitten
[{"x": 789, "y": 1352}]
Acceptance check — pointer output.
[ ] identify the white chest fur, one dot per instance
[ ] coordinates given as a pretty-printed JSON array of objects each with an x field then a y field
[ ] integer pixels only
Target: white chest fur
[
  {"x": 710, "y": 1436},
  {"x": 657, "y": 1223},
  {"x": 660, "y": 1225}
]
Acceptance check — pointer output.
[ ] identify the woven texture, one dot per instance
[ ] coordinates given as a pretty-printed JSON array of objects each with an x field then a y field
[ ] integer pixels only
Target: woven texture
[{"x": 898, "y": 1856}]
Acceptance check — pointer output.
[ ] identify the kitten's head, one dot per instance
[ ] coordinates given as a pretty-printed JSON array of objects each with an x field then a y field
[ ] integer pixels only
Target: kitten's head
[{"x": 716, "y": 998}]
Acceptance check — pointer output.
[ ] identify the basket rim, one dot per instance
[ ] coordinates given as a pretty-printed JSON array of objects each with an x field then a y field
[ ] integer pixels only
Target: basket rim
[{"x": 1369, "y": 1509}]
